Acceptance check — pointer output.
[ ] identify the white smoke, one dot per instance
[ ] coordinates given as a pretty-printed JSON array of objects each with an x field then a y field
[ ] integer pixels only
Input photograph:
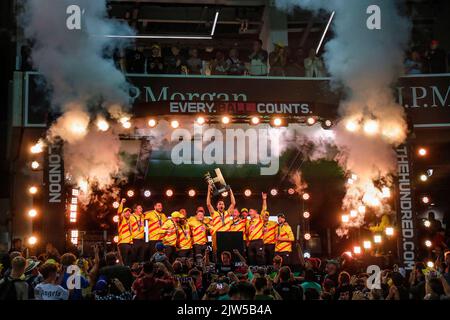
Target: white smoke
[
  {"x": 83, "y": 82},
  {"x": 365, "y": 63}
]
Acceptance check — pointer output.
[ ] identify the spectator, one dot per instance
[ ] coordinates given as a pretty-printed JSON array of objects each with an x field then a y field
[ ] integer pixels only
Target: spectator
[
  {"x": 331, "y": 271},
  {"x": 277, "y": 61},
  {"x": 72, "y": 276},
  {"x": 174, "y": 62},
  {"x": 114, "y": 270},
  {"x": 155, "y": 62},
  {"x": 413, "y": 64},
  {"x": 295, "y": 66},
  {"x": 135, "y": 60},
  {"x": 417, "y": 282},
  {"x": 344, "y": 290},
  {"x": 242, "y": 290},
  {"x": 258, "y": 60},
  {"x": 314, "y": 67},
  {"x": 328, "y": 291},
  {"x": 32, "y": 276},
  {"x": 218, "y": 65},
  {"x": 234, "y": 66},
  {"x": 18, "y": 246},
  {"x": 397, "y": 290},
  {"x": 262, "y": 288},
  {"x": 286, "y": 287},
  {"x": 310, "y": 283},
  {"x": 48, "y": 289},
  {"x": 194, "y": 63},
  {"x": 13, "y": 286},
  {"x": 436, "y": 58},
  {"x": 435, "y": 225}
]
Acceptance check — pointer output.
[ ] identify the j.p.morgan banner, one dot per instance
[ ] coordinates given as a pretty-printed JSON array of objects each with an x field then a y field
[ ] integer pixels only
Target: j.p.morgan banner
[{"x": 426, "y": 99}]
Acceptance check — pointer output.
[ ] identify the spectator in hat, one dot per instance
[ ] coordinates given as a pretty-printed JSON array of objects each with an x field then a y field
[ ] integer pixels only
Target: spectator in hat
[
  {"x": 436, "y": 58},
  {"x": 32, "y": 276},
  {"x": 277, "y": 61},
  {"x": 155, "y": 62}
]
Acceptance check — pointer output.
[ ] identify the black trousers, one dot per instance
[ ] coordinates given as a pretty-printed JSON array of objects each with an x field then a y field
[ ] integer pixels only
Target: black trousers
[
  {"x": 126, "y": 252},
  {"x": 255, "y": 252},
  {"x": 286, "y": 257},
  {"x": 199, "y": 249},
  {"x": 185, "y": 253},
  {"x": 150, "y": 249},
  {"x": 269, "y": 253},
  {"x": 139, "y": 248}
]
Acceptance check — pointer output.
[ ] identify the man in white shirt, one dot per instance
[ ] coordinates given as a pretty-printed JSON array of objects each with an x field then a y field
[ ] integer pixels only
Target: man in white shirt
[{"x": 48, "y": 289}]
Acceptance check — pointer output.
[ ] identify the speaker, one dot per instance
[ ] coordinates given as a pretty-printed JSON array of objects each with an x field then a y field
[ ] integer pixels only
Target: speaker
[{"x": 228, "y": 241}]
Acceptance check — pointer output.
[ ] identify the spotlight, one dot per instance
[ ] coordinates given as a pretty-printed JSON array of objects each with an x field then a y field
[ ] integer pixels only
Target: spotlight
[
  {"x": 357, "y": 250},
  {"x": 247, "y": 192},
  {"x": 37, "y": 148},
  {"x": 389, "y": 231},
  {"x": 353, "y": 213},
  {"x": 427, "y": 223},
  {"x": 422, "y": 152},
  {"x": 102, "y": 125},
  {"x": 377, "y": 238},
  {"x": 351, "y": 126},
  {"x": 201, "y": 120},
  {"x": 428, "y": 243},
  {"x": 147, "y": 193},
  {"x": 345, "y": 218},
  {"x": 130, "y": 193},
  {"x": 191, "y": 193},
  {"x": 32, "y": 213},
  {"x": 311, "y": 121},
  {"x": 174, "y": 124},
  {"x": 306, "y": 214},
  {"x": 274, "y": 192},
  {"x": 348, "y": 253},
  {"x": 33, "y": 190},
  {"x": 32, "y": 240},
  {"x": 225, "y": 120},
  {"x": 116, "y": 239},
  {"x": 291, "y": 191},
  {"x": 327, "y": 124},
  {"x": 306, "y": 196},
  {"x": 426, "y": 199},
  {"x": 371, "y": 127},
  {"x": 152, "y": 123},
  {"x": 254, "y": 120},
  {"x": 126, "y": 124},
  {"x": 169, "y": 192},
  {"x": 277, "y": 122},
  {"x": 116, "y": 204},
  {"x": 35, "y": 165},
  {"x": 367, "y": 244},
  {"x": 307, "y": 236},
  {"x": 116, "y": 219},
  {"x": 423, "y": 177},
  {"x": 306, "y": 255},
  {"x": 362, "y": 209},
  {"x": 430, "y": 264}
]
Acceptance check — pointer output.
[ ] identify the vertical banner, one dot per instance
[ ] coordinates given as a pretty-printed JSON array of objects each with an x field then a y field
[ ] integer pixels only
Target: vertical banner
[
  {"x": 53, "y": 220},
  {"x": 406, "y": 215}
]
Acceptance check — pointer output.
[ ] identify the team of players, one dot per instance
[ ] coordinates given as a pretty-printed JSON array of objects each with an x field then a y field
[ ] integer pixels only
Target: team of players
[{"x": 188, "y": 237}]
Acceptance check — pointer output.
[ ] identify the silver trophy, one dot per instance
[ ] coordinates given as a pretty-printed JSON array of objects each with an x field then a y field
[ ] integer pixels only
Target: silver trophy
[{"x": 218, "y": 183}]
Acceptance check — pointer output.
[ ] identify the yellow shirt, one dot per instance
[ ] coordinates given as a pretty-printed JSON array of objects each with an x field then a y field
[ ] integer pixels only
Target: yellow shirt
[
  {"x": 168, "y": 233},
  {"x": 285, "y": 237},
  {"x": 199, "y": 230},
  {"x": 255, "y": 229},
  {"x": 125, "y": 231},
  {"x": 382, "y": 225},
  {"x": 137, "y": 226},
  {"x": 184, "y": 237},
  {"x": 220, "y": 222},
  {"x": 155, "y": 223},
  {"x": 270, "y": 232}
]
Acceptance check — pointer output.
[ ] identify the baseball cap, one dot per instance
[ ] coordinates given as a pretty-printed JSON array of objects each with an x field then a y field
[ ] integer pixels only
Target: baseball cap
[
  {"x": 160, "y": 246},
  {"x": 177, "y": 214}
]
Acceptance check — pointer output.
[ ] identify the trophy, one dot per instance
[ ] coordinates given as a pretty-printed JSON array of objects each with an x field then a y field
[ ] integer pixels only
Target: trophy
[{"x": 218, "y": 183}]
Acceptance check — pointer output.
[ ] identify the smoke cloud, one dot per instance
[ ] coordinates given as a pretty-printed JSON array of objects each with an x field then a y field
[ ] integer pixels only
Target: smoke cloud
[
  {"x": 83, "y": 82},
  {"x": 364, "y": 64}
]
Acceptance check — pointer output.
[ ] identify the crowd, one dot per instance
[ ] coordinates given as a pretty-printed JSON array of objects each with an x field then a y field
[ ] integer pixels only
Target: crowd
[
  {"x": 283, "y": 61},
  {"x": 168, "y": 267}
]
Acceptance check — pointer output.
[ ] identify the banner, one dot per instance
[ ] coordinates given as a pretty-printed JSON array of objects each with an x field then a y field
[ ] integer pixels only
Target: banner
[
  {"x": 406, "y": 213},
  {"x": 53, "y": 219},
  {"x": 426, "y": 98}
]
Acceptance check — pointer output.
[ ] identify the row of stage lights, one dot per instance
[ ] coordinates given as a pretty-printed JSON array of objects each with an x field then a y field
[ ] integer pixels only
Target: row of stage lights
[
  {"x": 225, "y": 120},
  {"x": 192, "y": 193}
]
